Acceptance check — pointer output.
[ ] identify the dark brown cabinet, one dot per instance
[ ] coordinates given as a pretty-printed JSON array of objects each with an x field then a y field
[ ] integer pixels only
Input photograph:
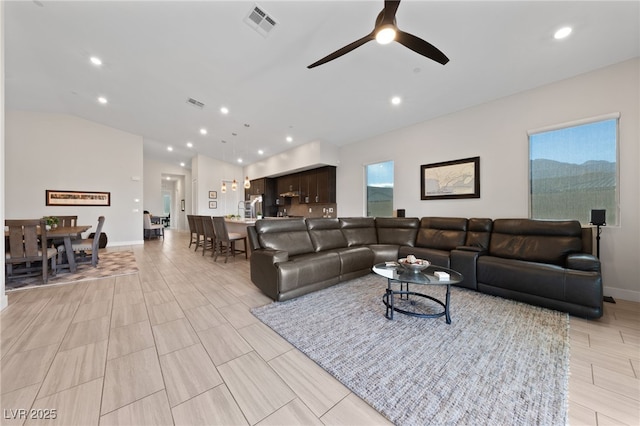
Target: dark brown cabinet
[
  {"x": 257, "y": 187},
  {"x": 318, "y": 186}
]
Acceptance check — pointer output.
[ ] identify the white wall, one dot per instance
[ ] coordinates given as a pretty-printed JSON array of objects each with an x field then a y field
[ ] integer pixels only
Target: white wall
[
  {"x": 307, "y": 156},
  {"x": 208, "y": 174},
  {"x": 497, "y": 132},
  {"x": 153, "y": 171},
  {"x": 56, "y": 151},
  {"x": 3, "y": 297}
]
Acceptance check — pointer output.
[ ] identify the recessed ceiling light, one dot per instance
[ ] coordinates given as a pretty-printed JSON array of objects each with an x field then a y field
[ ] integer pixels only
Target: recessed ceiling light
[
  {"x": 169, "y": 148},
  {"x": 181, "y": 164},
  {"x": 260, "y": 152},
  {"x": 203, "y": 131},
  {"x": 168, "y": 178},
  {"x": 289, "y": 139},
  {"x": 224, "y": 110},
  {"x": 562, "y": 33},
  {"x": 95, "y": 61},
  {"x": 189, "y": 145},
  {"x": 102, "y": 99},
  {"x": 239, "y": 160},
  {"x": 396, "y": 100}
]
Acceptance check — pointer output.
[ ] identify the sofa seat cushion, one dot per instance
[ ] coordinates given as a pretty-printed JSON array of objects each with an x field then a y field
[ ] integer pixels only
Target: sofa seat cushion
[
  {"x": 307, "y": 269},
  {"x": 355, "y": 259},
  {"x": 521, "y": 276},
  {"x": 436, "y": 257}
]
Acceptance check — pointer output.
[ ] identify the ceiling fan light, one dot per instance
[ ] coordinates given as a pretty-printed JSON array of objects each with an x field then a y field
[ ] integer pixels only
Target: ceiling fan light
[{"x": 386, "y": 34}]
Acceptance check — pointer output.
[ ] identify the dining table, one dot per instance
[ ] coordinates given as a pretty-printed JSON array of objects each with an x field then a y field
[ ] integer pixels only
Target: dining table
[{"x": 66, "y": 233}]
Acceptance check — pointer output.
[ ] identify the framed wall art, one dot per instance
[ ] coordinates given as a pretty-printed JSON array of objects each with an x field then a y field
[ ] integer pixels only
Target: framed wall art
[
  {"x": 213, "y": 195},
  {"x": 213, "y": 204},
  {"x": 77, "y": 198},
  {"x": 450, "y": 179}
]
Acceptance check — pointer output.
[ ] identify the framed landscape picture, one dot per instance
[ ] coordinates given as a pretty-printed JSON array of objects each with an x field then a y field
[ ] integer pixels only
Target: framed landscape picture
[
  {"x": 213, "y": 195},
  {"x": 450, "y": 179},
  {"x": 213, "y": 204},
  {"x": 77, "y": 198}
]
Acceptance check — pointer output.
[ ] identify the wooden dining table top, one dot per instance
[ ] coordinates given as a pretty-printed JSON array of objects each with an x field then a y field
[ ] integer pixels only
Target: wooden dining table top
[{"x": 63, "y": 231}]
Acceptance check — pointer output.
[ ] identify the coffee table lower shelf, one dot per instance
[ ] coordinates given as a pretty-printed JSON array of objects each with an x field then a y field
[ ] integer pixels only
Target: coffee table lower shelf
[{"x": 388, "y": 300}]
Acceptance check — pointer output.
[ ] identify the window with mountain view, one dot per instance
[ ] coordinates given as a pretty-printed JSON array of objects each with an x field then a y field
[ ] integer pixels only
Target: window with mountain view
[
  {"x": 574, "y": 170},
  {"x": 379, "y": 178}
]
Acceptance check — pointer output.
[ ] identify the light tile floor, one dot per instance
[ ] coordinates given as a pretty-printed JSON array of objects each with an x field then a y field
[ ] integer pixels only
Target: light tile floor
[{"x": 176, "y": 344}]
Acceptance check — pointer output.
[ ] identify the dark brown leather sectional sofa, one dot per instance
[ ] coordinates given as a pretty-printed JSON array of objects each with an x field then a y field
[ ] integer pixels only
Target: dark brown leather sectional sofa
[{"x": 545, "y": 263}]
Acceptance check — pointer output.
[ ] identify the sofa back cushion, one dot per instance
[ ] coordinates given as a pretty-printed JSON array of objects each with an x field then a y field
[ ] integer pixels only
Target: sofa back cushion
[
  {"x": 359, "y": 231},
  {"x": 535, "y": 240},
  {"x": 289, "y": 235},
  {"x": 442, "y": 233},
  {"x": 479, "y": 233},
  {"x": 397, "y": 230},
  {"x": 325, "y": 234}
]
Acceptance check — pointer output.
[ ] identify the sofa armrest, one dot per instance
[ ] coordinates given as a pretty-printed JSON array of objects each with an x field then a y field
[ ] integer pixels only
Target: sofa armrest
[
  {"x": 465, "y": 262},
  {"x": 264, "y": 271},
  {"x": 583, "y": 262}
]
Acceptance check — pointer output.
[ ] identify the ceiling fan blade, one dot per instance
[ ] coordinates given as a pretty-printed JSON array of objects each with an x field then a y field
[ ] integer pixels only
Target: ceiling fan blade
[
  {"x": 389, "y": 11},
  {"x": 422, "y": 47},
  {"x": 348, "y": 48}
]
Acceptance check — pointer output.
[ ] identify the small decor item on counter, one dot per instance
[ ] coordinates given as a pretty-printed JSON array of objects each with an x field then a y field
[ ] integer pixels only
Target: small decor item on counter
[{"x": 52, "y": 221}]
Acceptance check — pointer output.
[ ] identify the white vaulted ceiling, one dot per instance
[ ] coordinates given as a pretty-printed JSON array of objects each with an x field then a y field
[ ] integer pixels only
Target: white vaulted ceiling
[{"x": 157, "y": 54}]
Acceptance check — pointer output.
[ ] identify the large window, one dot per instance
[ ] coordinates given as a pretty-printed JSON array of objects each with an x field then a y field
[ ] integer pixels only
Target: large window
[
  {"x": 379, "y": 179},
  {"x": 573, "y": 170}
]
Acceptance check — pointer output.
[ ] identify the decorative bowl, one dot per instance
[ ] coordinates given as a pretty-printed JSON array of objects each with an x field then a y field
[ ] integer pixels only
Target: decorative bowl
[{"x": 416, "y": 266}]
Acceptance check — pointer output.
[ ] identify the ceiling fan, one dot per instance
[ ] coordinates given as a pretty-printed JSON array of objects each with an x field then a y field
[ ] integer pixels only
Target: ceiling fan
[{"x": 386, "y": 31}]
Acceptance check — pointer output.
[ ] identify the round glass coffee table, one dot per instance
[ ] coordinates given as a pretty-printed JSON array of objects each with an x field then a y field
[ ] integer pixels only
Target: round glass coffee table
[{"x": 395, "y": 273}]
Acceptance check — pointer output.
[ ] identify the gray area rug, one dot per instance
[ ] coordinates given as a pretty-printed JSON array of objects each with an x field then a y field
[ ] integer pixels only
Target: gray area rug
[{"x": 500, "y": 362}]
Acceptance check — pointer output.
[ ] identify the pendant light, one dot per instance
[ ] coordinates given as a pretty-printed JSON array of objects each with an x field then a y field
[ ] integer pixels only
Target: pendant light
[
  {"x": 247, "y": 183},
  {"x": 224, "y": 187},
  {"x": 234, "y": 185}
]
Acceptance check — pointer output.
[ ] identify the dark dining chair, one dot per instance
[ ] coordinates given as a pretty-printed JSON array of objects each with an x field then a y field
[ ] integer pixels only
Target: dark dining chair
[
  {"x": 65, "y": 222},
  {"x": 192, "y": 229},
  {"x": 81, "y": 247},
  {"x": 197, "y": 221},
  {"x": 28, "y": 246},
  {"x": 209, "y": 237},
  {"x": 227, "y": 240}
]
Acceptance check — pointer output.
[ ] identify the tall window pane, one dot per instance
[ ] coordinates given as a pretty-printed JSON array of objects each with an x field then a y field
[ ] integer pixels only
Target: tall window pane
[
  {"x": 574, "y": 170},
  {"x": 379, "y": 179}
]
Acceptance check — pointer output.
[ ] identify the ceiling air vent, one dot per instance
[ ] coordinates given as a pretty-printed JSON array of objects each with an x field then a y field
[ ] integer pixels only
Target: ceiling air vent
[
  {"x": 260, "y": 20},
  {"x": 195, "y": 103}
]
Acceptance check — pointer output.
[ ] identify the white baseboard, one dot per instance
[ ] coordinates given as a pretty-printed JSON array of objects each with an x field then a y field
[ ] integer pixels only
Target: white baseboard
[
  {"x": 125, "y": 243},
  {"x": 622, "y": 293}
]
